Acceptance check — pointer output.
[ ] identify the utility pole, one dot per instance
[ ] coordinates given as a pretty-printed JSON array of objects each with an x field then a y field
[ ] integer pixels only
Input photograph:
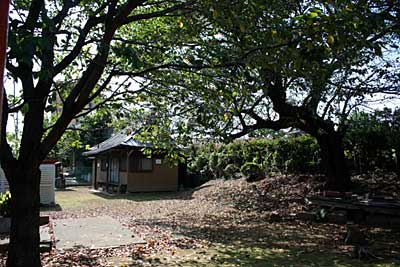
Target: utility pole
[{"x": 4, "y": 7}]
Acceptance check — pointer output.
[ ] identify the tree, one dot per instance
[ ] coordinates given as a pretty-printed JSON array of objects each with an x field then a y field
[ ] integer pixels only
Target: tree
[
  {"x": 281, "y": 64},
  {"x": 78, "y": 51},
  {"x": 85, "y": 132}
]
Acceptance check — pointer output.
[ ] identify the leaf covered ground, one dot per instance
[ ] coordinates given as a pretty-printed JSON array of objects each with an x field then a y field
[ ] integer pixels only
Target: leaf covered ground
[{"x": 222, "y": 223}]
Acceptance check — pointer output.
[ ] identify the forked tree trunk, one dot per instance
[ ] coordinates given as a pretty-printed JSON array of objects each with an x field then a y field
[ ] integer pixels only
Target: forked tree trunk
[
  {"x": 334, "y": 162},
  {"x": 24, "y": 235}
]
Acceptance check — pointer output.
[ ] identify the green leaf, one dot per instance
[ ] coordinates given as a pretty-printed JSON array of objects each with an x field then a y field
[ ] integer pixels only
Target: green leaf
[
  {"x": 312, "y": 15},
  {"x": 25, "y": 108}
]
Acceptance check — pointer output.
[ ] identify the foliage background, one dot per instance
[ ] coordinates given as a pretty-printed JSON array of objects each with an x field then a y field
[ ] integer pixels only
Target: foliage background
[{"x": 371, "y": 143}]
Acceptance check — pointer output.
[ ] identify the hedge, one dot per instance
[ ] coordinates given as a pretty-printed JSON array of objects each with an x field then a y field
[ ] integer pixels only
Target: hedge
[{"x": 285, "y": 155}]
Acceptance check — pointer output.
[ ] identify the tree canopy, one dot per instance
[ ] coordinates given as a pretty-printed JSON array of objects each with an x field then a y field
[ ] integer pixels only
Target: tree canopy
[
  {"x": 68, "y": 58},
  {"x": 255, "y": 65}
]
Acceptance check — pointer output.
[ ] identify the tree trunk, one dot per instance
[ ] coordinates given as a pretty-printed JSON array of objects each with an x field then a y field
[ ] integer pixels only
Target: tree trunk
[
  {"x": 25, "y": 201},
  {"x": 397, "y": 155},
  {"x": 334, "y": 162}
]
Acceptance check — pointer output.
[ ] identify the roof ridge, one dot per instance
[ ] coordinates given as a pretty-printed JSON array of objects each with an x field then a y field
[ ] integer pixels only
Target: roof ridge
[{"x": 120, "y": 138}]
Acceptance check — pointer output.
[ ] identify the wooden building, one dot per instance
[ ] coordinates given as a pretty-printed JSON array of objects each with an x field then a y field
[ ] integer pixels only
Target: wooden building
[{"x": 119, "y": 166}]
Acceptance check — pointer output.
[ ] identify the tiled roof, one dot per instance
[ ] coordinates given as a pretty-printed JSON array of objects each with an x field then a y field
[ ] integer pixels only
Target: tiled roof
[{"x": 120, "y": 139}]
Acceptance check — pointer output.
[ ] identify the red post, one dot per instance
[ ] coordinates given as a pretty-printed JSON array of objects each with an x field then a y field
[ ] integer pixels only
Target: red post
[{"x": 4, "y": 7}]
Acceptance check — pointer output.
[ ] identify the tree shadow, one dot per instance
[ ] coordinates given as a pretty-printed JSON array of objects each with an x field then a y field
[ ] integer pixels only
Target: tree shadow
[
  {"x": 55, "y": 207},
  {"x": 241, "y": 255},
  {"x": 257, "y": 256},
  {"x": 66, "y": 189},
  {"x": 186, "y": 194},
  {"x": 291, "y": 243}
]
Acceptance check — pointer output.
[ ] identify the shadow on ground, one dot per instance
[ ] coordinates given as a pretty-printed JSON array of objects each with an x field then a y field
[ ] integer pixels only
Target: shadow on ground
[
  {"x": 185, "y": 194},
  {"x": 55, "y": 207},
  {"x": 256, "y": 256},
  {"x": 249, "y": 242},
  {"x": 138, "y": 197}
]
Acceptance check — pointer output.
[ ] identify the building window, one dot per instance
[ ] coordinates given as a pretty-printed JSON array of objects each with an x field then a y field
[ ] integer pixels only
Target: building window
[
  {"x": 146, "y": 165},
  {"x": 114, "y": 171},
  {"x": 122, "y": 164},
  {"x": 103, "y": 165},
  {"x": 140, "y": 164}
]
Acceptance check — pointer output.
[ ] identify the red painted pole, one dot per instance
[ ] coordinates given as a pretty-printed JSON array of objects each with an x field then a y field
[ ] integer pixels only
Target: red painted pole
[{"x": 4, "y": 7}]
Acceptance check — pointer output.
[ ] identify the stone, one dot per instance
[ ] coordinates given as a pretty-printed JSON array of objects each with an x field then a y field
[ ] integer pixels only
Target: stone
[{"x": 93, "y": 232}]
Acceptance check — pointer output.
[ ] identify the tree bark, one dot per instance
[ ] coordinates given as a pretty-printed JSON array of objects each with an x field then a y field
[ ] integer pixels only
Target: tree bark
[
  {"x": 334, "y": 162},
  {"x": 25, "y": 208},
  {"x": 397, "y": 155}
]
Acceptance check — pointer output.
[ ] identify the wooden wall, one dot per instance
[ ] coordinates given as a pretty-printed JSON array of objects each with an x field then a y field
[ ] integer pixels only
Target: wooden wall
[{"x": 162, "y": 178}]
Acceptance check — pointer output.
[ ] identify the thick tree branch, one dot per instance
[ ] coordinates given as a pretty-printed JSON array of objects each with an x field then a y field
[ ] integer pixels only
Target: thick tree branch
[
  {"x": 80, "y": 94},
  {"x": 93, "y": 21},
  {"x": 262, "y": 124},
  {"x": 46, "y": 58},
  {"x": 33, "y": 15},
  {"x": 128, "y": 19},
  {"x": 67, "y": 5},
  {"x": 302, "y": 117},
  {"x": 7, "y": 159}
]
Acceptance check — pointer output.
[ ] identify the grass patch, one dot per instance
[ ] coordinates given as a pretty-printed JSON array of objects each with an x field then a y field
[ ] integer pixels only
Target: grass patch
[{"x": 79, "y": 198}]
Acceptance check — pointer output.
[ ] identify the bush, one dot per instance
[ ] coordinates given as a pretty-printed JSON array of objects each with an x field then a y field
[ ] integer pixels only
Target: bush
[
  {"x": 286, "y": 154},
  {"x": 372, "y": 141},
  {"x": 252, "y": 171},
  {"x": 5, "y": 204},
  {"x": 213, "y": 163},
  {"x": 230, "y": 171},
  {"x": 200, "y": 163}
]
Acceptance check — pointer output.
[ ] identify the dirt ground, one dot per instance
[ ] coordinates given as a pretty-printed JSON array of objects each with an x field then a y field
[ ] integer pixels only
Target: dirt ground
[{"x": 215, "y": 225}]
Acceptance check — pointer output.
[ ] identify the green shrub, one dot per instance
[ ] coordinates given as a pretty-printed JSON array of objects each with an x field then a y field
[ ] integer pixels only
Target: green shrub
[
  {"x": 5, "y": 204},
  {"x": 230, "y": 171},
  {"x": 223, "y": 160},
  {"x": 295, "y": 155},
  {"x": 286, "y": 154},
  {"x": 372, "y": 140},
  {"x": 252, "y": 171},
  {"x": 200, "y": 163},
  {"x": 213, "y": 163}
]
